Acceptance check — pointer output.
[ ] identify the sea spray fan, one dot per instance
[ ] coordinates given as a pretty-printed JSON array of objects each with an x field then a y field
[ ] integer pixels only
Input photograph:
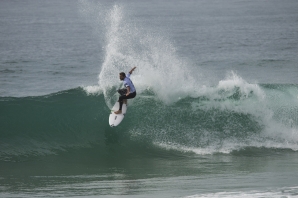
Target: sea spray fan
[
  {"x": 106, "y": 20},
  {"x": 127, "y": 45}
]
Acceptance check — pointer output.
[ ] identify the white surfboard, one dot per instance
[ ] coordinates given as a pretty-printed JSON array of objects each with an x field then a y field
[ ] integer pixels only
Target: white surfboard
[{"x": 116, "y": 119}]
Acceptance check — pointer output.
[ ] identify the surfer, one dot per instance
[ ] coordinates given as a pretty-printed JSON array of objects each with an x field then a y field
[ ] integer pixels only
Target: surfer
[{"x": 130, "y": 89}]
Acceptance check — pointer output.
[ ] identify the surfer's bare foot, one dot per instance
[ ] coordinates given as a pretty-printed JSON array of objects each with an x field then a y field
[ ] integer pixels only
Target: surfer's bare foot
[{"x": 118, "y": 112}]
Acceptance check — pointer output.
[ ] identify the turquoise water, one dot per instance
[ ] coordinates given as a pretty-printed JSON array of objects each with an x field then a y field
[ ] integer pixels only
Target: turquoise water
[
  {"x": 216, "y": 110},
  {"x": 61, "y": 145}
]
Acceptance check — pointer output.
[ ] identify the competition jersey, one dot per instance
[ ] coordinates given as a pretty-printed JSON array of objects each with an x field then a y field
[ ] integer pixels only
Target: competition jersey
[{"x": 128, "y": 83}]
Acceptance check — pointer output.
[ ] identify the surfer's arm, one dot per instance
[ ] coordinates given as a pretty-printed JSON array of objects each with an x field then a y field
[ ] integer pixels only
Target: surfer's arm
[{"x": 132, "y": 70}]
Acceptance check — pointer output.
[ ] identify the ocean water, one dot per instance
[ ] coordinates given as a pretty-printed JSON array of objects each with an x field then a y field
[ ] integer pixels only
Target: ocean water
[{"x": 216, "y": 112}]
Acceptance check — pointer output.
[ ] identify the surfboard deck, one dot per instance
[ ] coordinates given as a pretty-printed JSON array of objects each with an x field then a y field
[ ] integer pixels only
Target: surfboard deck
[{"x": 116, "y": 119}]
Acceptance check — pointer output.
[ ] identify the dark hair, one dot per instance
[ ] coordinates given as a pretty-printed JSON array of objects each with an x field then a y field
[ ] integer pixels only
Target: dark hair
[{"x": 122, "y": 74}]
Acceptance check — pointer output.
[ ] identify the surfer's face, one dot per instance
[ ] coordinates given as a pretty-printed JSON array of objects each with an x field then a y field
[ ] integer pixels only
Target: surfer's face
[{"x": 121, "y": 77}]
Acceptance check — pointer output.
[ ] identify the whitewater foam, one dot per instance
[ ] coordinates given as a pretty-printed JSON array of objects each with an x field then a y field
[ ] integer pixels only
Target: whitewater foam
[
  {"x": 274, "y": 193},
  {"x": 92, "y": 90},
  {"x": 200, "y": 151}
]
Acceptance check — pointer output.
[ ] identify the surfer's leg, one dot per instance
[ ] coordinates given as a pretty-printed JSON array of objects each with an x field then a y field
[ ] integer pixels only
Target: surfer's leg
[
  {"x": 121, "y": 98},
  {"x": 120, "y": 105},
  {"x": 130, "y": 96},
  {"x": 124, "y": 98}
]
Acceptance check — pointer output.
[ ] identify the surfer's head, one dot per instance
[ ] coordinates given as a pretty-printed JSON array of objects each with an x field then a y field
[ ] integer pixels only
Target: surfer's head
[{"x": 122, "y": 75}]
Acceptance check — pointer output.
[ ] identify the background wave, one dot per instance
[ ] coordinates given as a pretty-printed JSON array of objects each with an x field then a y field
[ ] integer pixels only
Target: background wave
[{"x": 226, "y": 118}]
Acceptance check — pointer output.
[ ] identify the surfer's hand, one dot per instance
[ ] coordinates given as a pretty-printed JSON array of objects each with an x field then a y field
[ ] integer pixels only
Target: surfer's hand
[{"x": 132, "y": 69}]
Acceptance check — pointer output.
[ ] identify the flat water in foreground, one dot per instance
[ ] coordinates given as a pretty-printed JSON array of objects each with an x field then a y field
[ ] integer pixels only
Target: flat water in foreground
[{"x": 249, "y": 172}]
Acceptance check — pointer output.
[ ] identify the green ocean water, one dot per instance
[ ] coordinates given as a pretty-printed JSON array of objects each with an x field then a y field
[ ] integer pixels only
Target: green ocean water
[{"x": 60, "y": 141}]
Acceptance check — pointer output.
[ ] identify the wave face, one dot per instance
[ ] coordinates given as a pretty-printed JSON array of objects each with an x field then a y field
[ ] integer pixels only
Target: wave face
[
  {"x": 227, "y": 118},
  {"x": 175, "y": 109},
  {"x": 39, "y": 125}
]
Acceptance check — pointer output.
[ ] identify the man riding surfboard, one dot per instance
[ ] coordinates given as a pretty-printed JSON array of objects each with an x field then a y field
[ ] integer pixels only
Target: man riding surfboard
[{"x": 130, "y": 89}]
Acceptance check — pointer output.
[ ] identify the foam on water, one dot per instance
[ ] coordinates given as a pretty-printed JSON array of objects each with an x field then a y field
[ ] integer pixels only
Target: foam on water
[
  {"x": 275, "y": 193},
  {"x": 271, "y": 120},
  {"x": 92, "y": 90}
]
